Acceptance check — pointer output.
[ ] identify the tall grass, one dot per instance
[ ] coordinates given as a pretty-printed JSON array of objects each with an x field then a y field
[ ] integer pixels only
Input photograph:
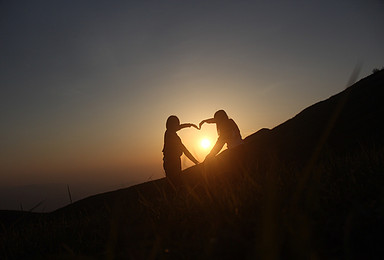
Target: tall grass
[{"x": 245, "y": 211}]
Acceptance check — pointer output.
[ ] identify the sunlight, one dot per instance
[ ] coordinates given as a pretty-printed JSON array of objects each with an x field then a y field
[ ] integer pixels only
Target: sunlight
[
  {"x": 198, "y": 142},
  {"x": 205, "y": 143}
]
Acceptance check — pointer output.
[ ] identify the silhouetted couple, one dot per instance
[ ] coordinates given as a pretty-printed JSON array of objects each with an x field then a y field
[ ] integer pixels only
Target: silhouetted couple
[{"x": 227, "y": 131}]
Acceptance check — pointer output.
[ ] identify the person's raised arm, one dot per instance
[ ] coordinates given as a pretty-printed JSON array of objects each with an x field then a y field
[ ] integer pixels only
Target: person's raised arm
[
  {"x": 187, "y": 125},
  {"x": 189, "y": 155},
  {"x": 216, "y": 148},
  {"x": 208, "y": 121}
]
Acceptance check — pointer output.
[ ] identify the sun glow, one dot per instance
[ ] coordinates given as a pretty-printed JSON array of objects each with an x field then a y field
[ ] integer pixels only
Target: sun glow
[{"x": 205, "y": 143}]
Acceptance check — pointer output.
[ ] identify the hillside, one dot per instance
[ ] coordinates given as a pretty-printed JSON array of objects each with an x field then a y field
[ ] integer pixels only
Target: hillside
[
  {"x": 345, "y": 122},
  {"x": 310, "y": 187}
]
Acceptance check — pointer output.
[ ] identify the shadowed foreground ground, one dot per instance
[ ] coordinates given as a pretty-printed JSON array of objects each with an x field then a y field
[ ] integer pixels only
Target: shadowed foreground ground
[{"x": 337, "y": 213}]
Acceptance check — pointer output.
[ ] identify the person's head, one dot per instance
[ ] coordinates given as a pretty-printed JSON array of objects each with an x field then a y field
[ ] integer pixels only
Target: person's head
[
  {"x": 220, "y": 116},
  {"x": 173, "y": 123}
]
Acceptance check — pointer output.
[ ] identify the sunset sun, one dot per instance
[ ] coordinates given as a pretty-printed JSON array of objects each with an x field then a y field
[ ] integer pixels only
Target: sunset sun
[{"x": 205, "y": 143}]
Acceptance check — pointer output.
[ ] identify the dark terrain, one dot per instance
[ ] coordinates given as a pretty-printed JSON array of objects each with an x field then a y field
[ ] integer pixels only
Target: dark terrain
[{"x": 311, "y": 187}]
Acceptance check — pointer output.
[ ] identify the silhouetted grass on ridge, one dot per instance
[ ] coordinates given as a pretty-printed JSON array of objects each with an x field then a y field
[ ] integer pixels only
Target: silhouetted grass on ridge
[{"x": 248, "y": 213}]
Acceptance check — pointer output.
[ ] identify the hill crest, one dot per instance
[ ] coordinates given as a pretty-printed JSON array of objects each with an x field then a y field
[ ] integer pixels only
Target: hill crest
[{"x": 308, "y": 188}]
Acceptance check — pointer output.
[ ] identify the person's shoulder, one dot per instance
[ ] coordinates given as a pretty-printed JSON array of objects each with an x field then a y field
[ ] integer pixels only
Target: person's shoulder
[
  {"x": 234, "y": 126},
  {"x": 232, "y": 122},
  {"x": 171, "y": 135}
]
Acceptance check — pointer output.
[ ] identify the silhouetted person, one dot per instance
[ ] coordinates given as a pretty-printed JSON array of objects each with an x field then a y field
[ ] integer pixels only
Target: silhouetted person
[
  {"x": 227, "y": 130},
  {"x": 173, "y": 149}
]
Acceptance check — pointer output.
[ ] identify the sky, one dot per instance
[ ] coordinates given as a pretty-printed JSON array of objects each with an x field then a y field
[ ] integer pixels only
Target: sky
[{"x": 86, "y": 86}]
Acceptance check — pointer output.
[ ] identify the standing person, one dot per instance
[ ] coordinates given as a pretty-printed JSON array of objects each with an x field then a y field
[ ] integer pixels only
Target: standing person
[
  {"x": 173, "y": 149},
  {"x": 227, "y": 130}
]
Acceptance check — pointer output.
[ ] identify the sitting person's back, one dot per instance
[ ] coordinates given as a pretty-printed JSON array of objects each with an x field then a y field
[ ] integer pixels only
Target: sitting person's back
[
  {"x": 227, "y": 130},
  {"x": 229, "y": 133}
]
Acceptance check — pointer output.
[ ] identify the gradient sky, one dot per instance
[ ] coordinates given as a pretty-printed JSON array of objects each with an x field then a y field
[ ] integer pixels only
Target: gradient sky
[{"x": 86, "y": 86}]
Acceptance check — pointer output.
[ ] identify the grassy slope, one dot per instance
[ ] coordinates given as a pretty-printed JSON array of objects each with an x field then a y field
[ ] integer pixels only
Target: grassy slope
[{"x": 278, "y": 195}]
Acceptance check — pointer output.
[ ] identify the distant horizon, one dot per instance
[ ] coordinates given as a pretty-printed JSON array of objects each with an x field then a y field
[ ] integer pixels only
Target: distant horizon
[{"x": 51, "y": 196}]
